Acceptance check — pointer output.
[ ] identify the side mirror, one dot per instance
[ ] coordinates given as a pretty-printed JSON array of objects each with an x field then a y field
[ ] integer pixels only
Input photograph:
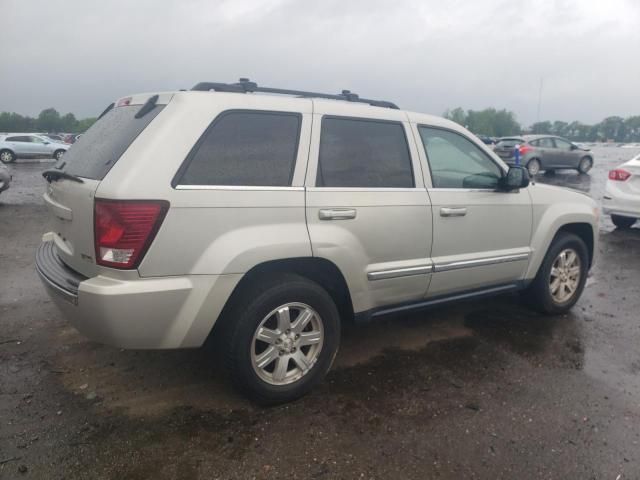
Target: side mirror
[
  {"x": 574, "y": 147},
  {"x": 517, "y": 177},
  {"x": 47, "y": 143}
]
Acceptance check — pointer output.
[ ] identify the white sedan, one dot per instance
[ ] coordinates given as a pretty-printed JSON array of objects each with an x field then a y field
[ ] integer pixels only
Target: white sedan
[{"x": 622, "y": 195}]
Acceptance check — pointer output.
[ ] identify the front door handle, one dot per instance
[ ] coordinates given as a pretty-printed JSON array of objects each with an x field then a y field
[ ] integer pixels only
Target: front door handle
[
  {"x": 337, "y": 214},
  {"x": 453, "y": 212}
]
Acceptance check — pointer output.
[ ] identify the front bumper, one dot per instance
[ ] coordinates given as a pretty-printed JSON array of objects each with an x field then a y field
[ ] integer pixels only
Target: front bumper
[{"x": 145, "y": 313}]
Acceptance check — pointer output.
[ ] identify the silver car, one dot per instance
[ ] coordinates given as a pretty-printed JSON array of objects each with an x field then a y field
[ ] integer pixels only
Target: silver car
[
  {"x": 544, "y": 153},
  {"x": 264, "y": 222},
  {"x": 29, "y": 145}
]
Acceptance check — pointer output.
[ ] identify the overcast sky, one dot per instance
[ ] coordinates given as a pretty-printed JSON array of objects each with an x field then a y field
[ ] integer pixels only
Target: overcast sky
[{"x": 425, "y": 55}]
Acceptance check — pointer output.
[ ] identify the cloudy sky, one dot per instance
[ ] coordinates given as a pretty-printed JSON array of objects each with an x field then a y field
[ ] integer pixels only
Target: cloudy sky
[{"x": 425, "y": 55}]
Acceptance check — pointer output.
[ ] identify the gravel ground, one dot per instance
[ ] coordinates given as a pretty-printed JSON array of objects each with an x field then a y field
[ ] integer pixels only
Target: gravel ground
[{"x": 486, "y": 389}]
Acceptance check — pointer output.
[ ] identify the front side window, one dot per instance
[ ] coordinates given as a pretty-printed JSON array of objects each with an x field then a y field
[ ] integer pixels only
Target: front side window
[
  {"x": 363, "y": 153},
  {"x": 245, "y": 148},
  {"x": 36, "y": 140},
  {"x": 546, "y": 143},
  {"x": 456, "y": 162},
  {"x": 562, "y": 144}
]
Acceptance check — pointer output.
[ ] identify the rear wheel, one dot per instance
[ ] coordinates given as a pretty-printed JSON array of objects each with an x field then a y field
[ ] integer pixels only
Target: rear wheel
[
  {"x": 622, "y": 222},
  {"x": 585, "y": 164},
  {"x": 282, "y": 338},
  {"x": 7, "y": 156},
  {"x": 533, "y": 166},
  {"x": 562, "y": 275},
  {"x": 58, "y": 154}
]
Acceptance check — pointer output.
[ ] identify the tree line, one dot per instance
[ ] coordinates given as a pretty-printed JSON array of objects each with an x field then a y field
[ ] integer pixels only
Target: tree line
[
  {"x": 502, "y": 123},
  {"x": 49, "y": 121}
]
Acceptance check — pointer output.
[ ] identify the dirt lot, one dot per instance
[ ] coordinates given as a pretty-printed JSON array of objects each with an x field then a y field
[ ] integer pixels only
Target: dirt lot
[{"x": 480, "y": 390}]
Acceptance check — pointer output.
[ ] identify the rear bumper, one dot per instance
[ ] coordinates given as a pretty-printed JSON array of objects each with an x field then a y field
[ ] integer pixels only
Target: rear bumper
[
  {"x": 615, "y": 202},
  {"x": 145, "y": 313},
  {"x": 56, "y": 276}
]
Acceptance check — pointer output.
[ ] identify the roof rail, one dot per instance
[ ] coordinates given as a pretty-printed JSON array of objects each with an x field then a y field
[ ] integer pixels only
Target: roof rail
[{"x": 247, "y": 86}]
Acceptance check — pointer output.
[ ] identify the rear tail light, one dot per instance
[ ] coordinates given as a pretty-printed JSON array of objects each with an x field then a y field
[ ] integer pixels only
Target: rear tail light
[
  {"x": 619, "y": 175},
  {"x": 524, "y": 149},
  {"x": 124, "y": 229}
]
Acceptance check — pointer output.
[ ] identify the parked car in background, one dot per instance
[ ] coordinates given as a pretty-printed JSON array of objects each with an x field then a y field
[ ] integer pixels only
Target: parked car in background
[
  {"x": 544, "y": 153},
  {"x": 487, "y": 140},
  {"x": 264, "y": 221},
  {"x": 5, "y": 178},
  {"x": 72, "y": 138},
  {"x": 53, "y": 137},
  {"x": 29, "y": 145},
  {"x": 621, "y": 199}
]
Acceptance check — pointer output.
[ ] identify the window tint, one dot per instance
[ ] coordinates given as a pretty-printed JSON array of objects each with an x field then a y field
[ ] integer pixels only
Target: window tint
[
  {"x": 363, "y": 153},
  {"x": 93, "y": 155},
  {"x": 562, "y": 144},
  {"x": 546, "y": 143},
  {"x": 245, "y": 148},
  {"x": 455, "y": 162},
  {"x": 18, "y": 139},
  {"x": 36, "y": 140}
]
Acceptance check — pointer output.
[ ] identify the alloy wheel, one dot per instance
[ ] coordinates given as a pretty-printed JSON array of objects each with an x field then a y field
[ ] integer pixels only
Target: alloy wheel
[
  {"x": 565, "y": 276},
  {"x": 287, "y": 343}
]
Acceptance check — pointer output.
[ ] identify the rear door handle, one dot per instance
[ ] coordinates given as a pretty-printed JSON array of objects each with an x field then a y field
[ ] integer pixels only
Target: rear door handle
[
  {"x": 337, "y": 213},
  {"x": 453, "y": 212}
]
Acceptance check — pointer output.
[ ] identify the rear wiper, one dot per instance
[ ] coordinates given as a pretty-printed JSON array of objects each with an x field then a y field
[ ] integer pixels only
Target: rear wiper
[{"x": 53, "y": 174}]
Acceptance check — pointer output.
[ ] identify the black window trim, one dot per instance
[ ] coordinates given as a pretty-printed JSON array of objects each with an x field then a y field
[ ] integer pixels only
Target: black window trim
[
  {"x": 426, "y": 155},
  {"x": 175, "y": 182},
  {"x": 371, "y": 120}
]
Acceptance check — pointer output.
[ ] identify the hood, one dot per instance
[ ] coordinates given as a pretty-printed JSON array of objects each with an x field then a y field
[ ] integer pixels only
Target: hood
[{"x": 543, "y": 193}]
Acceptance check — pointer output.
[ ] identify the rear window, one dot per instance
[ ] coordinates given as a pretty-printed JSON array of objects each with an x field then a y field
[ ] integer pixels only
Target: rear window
[
  {"x": 510, "y": 142},
  {"x": 93, "y": 154}
]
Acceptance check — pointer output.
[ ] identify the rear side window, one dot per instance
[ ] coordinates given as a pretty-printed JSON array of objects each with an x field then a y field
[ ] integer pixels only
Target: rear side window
[
  {"x": 93, "y": 154},
  {"x": 245, "y": 148},
  {"x": 363, "y": 153}
]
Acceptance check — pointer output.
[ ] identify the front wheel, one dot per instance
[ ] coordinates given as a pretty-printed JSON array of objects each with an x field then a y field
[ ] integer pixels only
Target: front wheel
[
  {"x": 7, "y": 156},
  {"x": 282, "y": 339},
  {"x": 562, "y": 275},
  {"x": 585, "y": 164},
  {"x": 622, "y": 222}
]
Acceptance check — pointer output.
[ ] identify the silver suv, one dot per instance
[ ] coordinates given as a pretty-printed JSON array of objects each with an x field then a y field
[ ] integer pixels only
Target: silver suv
[
  {"x": 29, "y": 145},
  {"x": 263, "y": 222}
]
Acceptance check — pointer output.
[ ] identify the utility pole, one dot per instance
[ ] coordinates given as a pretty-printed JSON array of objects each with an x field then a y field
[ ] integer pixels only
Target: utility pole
[{"x": 539, "y": 100}]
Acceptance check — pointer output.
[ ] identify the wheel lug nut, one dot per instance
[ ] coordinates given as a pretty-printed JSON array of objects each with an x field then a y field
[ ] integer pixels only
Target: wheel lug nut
[
  {"x": 297, "y": 336},
  {"x": 293, "y": 349},
  {"x": 287, "y": 331}
]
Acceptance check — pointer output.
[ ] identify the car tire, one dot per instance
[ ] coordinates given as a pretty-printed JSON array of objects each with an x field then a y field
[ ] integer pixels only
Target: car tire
[
  {"x": 557, "y": 287},
  {"x": 533, "y": 167},
  {"x": 585, "y": 164},
  {"x": 622, "y": 222},
  {"x": 58, "y": 154},
  {"x": 7, "y": 156},
  {"x": 269, "y": 355}
]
